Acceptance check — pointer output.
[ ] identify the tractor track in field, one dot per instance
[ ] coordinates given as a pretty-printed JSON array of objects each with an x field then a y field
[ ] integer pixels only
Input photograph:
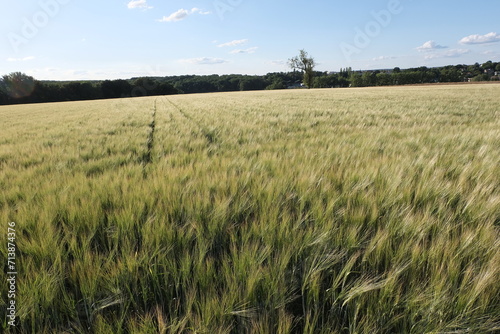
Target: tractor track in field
[
  {"x": 211, "y": 135},
  {"x": 183, "y": 113},
  {"x": 147, "y": 157}
]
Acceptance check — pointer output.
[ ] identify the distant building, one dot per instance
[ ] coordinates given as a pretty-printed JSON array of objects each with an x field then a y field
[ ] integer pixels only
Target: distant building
[
  {"x": 489, "y": 71},
  {"x": 296, "y": 86}
]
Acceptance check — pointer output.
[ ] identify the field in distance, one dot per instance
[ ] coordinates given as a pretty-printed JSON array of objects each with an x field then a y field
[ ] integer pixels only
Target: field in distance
[{"x": 371, "y": 210}]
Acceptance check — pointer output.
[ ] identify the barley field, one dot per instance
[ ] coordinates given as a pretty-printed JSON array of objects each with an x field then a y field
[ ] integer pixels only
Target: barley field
[{"x": 373, "y": 210}]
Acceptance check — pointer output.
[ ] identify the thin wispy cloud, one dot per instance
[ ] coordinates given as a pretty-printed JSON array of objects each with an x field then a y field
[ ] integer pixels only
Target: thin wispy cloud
[
  {"x": 249, "y": 50},
  {"x": 201, "y": 12},
  {"x": 204, "y": 61},
  {"x": 453, "y": 53},
  {"x": 492, "y": 37},
  {"x": 138, "y": 4},
  {"x": 492, "y": 55},
  {"x": 233, "y": 43},
  {"x": 277, "y": 62},
  {"x": 382, "y": 58},
  {"x": 430, "y": 46},
  {"x": 20, "y": 59},
  {"x": 181, "y": 14}
]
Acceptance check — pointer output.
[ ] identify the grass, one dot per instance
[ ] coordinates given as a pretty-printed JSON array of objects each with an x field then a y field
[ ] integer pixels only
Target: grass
[{"x": 321, "y": 211}]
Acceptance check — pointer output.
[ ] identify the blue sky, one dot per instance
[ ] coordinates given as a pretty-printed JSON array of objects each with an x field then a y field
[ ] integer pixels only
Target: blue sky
[{"x": 109, "y": 39}]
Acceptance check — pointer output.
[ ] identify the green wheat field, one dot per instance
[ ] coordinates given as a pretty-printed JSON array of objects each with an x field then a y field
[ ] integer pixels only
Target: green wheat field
[{"x": 373, "y": 210}]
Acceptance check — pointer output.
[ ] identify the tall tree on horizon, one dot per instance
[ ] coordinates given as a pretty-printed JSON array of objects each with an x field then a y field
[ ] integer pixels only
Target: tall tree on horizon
[{"x": 305, "y": 64}]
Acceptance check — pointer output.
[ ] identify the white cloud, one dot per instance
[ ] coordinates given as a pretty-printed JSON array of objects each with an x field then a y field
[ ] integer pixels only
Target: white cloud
[
  {"x": 199, "y": 11},
  {"x": 20, "y": 59},
  {"x": 277, "y": 62},
  {"x": 456, "y": 53},
  {"x": 249, "y": 50},
  {"x": 430, "y": 46},
  {"x": 382, "y": 58},
  {"x": 78, "y": 72},
  {"x": 233, "y": 43},
  {"x": 181, "y": 14},
  {"x": 453, "y": 53},
  {"x": 492, "y": 37},
  {"x": 138, "y": 4},
  {"x": 204, "y": 61}
]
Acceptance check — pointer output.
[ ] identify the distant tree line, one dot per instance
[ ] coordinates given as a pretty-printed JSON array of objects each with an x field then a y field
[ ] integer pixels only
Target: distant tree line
[
  {"x": 488, "y": 71},
  {"x": 18, "y": 88}
]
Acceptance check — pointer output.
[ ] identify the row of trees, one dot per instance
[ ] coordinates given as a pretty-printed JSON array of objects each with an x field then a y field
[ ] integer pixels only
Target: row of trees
[
  {"x": 304, "y": 75},
  {"x": 17, "y": 88},
  {"x": 459, "y": 73},
  {"x": 20, "y": 88}
]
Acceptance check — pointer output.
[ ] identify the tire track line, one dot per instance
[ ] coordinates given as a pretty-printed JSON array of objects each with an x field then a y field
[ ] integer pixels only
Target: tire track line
[
  {"x": 147, "y": 157},
  {"x": 211, "y": 135}
]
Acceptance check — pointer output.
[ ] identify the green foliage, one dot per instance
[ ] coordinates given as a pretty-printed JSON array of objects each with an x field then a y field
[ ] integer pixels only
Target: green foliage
[
  {"x": 384, "y": 79},
  {"x": 17, "y": 85},
  {"x": 277, "y": 84},
  {"x": 489, "y": 65},
  {"x": 451, "y": 74},
  {"x": 481, "y": 77},
  {"x": 327, "y": 81},
  {"x": 151, "y": 87},
  {"x": 253, "y": 83},
  {"x": 356, "y": 79},
  {"x": 115, "y": 88}
]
